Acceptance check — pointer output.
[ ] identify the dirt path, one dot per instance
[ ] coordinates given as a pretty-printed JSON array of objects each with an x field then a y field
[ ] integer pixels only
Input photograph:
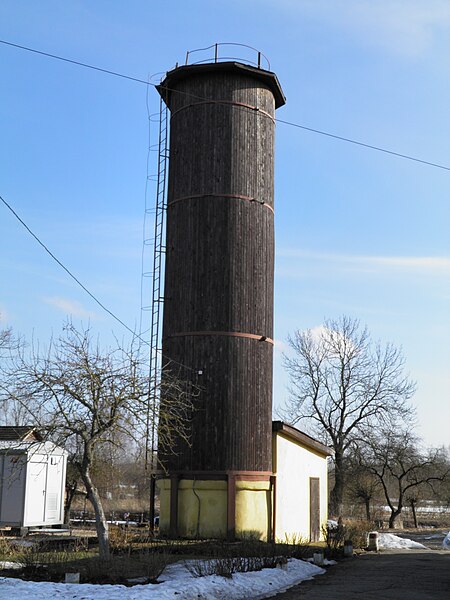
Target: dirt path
[{"x": 390, "y": 574}]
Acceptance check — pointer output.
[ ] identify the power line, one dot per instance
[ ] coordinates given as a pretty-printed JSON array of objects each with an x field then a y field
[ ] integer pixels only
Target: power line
[
  {"x": 289, "y": 123},
  {"x": 75, "y": 62},
  {"x": 83, "y": 287},
  {"x": 22, "y": 222},
  {"x": 350, "y": 141}
]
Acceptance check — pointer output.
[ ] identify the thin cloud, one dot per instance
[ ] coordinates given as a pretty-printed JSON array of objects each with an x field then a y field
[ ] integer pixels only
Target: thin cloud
[
  {"x": 70, "y": 307},
  {"x": 408, "y": 28},
  {"x": 4, "y": 316},
  {"x": 423, "y": 264}
]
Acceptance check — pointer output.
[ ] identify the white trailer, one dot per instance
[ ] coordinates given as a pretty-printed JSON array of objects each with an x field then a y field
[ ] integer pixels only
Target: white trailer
[{"x": 32, "y": 484}]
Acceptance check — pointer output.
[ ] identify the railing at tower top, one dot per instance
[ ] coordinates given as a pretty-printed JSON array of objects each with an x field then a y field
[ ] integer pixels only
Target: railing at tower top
[{"x": 256, "y": 55}]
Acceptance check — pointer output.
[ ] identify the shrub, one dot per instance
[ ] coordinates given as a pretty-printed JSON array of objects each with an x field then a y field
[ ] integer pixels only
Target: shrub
[
  {"x": 155, "y": 562},
  {"x": 30, "y": 557},
  {"x": 225, "y": 567},
  {"x": 119, "y": 541},
  {"x": 334, "y": 538},
  {"x": 357, "y": 532},
  {"x": 336, "y": 535},
  {"x": 5, "y": 546},
  {"x": 294, "y": 546},
  {"x": 97, "y": 570}
]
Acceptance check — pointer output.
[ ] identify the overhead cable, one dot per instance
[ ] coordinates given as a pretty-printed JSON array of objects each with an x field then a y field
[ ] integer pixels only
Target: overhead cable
[
  {"x": 69, "y": 272},
  {"x": 350, "y": 141},
  {"x": 289, "y": 123},
  {"x": 75, "y": 62},
  {"x": 9, "y": 207}
]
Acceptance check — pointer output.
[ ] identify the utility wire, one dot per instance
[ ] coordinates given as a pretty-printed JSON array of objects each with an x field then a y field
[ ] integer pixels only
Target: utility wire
[
  {"x": 106, "y": 309},
  {"x": 350, "y": 141},
  {"x": 75, "y": 62},
  {"x": 9, "y": 207},
  {"x": 289, "y": 123}
]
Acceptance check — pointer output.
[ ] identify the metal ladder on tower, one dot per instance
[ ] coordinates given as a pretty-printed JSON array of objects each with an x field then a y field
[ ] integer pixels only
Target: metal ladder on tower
[{"x": 157, "y": 300}]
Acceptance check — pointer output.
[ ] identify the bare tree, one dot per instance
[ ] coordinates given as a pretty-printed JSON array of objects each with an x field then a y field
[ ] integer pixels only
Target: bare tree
[
  {"x": 5, "y": 339},
  {"x": 11, "y": 413},
  {"x": 361, "y": 485},
  {"x": 343, "y": 383},
  {"x": 84, "y": 398},
  {"x": 394, "y": 457}
]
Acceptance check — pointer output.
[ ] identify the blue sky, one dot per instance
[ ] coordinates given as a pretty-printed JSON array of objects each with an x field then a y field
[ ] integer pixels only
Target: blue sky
[{"x": 357, "y": 232}]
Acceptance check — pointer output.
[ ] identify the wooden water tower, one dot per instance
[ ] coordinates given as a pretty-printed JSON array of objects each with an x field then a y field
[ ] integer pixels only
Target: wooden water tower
[{"x": 218, "y": 294}]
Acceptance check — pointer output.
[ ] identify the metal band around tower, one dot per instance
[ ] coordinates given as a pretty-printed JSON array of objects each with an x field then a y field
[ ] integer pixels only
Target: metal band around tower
[
  {"x": 251, "y": 336},
  {"x": 236, "y": 196},
  {"x": 229, "y": 102}
]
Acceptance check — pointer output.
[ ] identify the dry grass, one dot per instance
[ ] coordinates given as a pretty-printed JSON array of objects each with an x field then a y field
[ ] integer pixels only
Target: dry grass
[{"x": 137, "y": 554}]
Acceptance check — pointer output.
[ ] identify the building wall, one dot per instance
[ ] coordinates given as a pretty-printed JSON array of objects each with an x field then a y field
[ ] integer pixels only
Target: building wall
[
  {"x": 202, "y": 508},
  {"x": 12, "y": 489},
  {"x": 32, "y": 486},
  {"x": 294, "y": 464},
  {"x": 253, "y": 509},
  {"x": 45, "y": 490}
]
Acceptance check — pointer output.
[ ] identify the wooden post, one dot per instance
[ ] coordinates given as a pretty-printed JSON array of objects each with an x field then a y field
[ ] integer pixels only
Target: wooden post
[
  {"x": 174, "y": 480},
  {"x": 273, "y": 486},
  {"x": 231, "y": 507},
  {"x": 152, "y": 501}
]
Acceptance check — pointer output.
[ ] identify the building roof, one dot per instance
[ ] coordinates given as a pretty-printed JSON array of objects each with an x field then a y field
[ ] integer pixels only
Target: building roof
[
  {"x": 266, "y": 77},
  {"x": 26, "y": 433},
  {"x": 30, "y": 448},
  {"x": 302, "y": 438}
]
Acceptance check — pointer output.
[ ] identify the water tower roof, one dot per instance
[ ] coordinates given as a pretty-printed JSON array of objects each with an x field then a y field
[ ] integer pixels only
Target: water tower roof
[{"x": 180, "y": 73}]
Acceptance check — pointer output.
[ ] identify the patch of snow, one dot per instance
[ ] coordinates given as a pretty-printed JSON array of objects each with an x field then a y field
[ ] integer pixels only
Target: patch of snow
[
  {"x": 176, "y": 581},
  {"x": 326, "y": 562},
  {"x": 332, "y": 524},
  {"x": 10, "y": 565},
  {"x": 446, "y": 542},
  {"x": 390, "y": 541}
]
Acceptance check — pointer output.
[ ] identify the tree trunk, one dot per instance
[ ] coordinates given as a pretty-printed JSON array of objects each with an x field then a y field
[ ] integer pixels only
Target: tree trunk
[
  {"x": 101, "y": 523},
  {"x": 413, "y": 508},
  {"x": 70, "y": 495},
  {"x": 367, "y": 504},
  {"x": 337, "y": 493},
  {"x": 393, "y": 517}
]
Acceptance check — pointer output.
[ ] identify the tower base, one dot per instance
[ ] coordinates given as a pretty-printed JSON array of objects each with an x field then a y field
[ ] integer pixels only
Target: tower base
[{"x": 231, "y": 505}]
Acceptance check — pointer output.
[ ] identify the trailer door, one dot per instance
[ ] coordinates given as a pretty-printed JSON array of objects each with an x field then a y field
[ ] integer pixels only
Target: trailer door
[{"x": 37, "y": 479}]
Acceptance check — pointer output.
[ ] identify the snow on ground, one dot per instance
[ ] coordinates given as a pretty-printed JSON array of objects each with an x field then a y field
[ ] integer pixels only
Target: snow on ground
[
  {"x": 389, "y": 541},
  {"x": 177, "y": 582}
]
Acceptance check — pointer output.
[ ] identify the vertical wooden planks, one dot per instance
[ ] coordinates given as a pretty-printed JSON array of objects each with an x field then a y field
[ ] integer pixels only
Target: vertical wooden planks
[{"x": 220, "y": 261}]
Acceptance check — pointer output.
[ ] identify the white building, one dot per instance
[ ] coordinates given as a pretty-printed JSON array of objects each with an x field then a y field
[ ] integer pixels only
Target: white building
[
  {"x": 32, "y": 479},
  {"x": 301, "y": 483}
]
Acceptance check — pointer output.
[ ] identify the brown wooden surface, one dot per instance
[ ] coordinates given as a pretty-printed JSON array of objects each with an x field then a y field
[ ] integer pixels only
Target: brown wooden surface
[
  {"x": 220, "y": 263},
  {"x": 231, "y": 508}
]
